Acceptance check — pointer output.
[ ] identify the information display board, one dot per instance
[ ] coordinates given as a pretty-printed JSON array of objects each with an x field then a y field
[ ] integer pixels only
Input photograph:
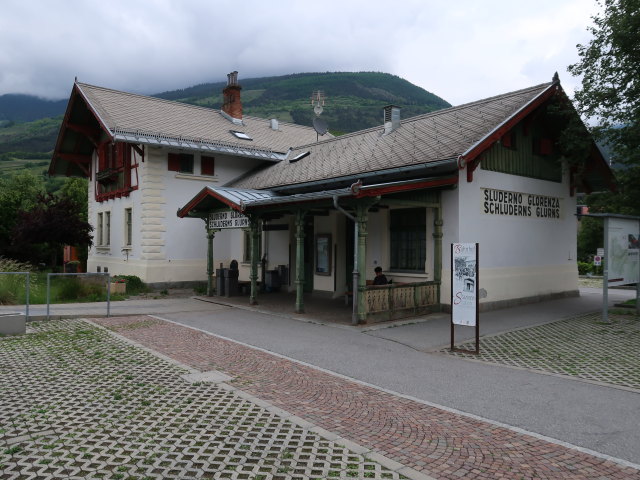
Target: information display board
[
  {"x": 464, "y": 291},
  {"x": 623, "y": 256}
]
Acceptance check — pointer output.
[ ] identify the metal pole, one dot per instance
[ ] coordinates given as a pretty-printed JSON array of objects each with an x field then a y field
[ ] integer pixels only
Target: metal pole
[
  {"x": 638, "y": 282},
  {"x": 605, "y": 274},
  {"x": 27, "y": 295},
  {"x": 108, "y": 295},
  {"x": 48, "y": 292},
  {"x": 451, "y": 299},
  {"x": 477, "y": 298}
]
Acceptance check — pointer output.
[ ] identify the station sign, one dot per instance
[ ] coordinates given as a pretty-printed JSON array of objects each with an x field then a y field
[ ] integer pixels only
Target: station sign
[
  {"x": 518, "y": 204},
  {"x": 228, "y": 219}
]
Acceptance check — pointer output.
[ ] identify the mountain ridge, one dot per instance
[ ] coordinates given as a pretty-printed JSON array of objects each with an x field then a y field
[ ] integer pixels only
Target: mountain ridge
[{"x": 354, "y": 101}]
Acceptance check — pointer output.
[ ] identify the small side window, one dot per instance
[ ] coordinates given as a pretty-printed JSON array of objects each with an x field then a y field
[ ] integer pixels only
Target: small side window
[
  {"x": 180, "y": 162},
  {"x": 207, "y": 165}
]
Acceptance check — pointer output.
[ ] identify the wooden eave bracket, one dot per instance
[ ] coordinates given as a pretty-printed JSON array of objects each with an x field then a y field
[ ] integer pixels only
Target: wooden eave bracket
[
  {"x": 471, "y": 167},
  {"x": 89, "y": 132},
  {"x": 82, "y": 161}
]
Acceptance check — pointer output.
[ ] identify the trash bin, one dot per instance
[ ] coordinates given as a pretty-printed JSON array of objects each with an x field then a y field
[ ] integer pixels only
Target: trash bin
[
  {"x": 231, "y": 279},
  {"x": 220, "y": 274},
  {"x": 272, "y": 280}
]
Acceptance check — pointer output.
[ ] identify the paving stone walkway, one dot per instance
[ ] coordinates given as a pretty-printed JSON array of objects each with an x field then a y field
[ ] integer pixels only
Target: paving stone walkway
[
  {"x": 581, "y": 346},
  {"x": 438, "y": 443},
  {"x": 76, "y": 402}
]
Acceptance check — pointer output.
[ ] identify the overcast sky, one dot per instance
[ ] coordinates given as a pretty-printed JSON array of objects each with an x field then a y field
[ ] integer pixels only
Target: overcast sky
[{"x": 461, "y": 50}]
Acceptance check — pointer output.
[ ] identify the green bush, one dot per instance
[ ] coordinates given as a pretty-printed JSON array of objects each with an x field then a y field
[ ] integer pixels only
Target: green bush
[
  {"x": 588, "y": 268},
  {"x": 73, "y": 288},
  {"x": 585, "y": 268}
]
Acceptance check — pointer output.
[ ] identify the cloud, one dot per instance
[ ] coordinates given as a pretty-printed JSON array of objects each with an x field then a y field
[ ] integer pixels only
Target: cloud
[{"x": 460, "y": 51}]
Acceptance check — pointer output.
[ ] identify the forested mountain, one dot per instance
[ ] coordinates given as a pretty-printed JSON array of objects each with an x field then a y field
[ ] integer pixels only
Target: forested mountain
[
  {"x": 26, "y": 108},
  {"x": 354, "y": 100},
  {"x": 29, "y": 125}
]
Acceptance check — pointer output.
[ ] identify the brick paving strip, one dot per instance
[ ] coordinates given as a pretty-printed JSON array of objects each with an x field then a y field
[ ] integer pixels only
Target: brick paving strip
[{"x": 439, "y": 443}]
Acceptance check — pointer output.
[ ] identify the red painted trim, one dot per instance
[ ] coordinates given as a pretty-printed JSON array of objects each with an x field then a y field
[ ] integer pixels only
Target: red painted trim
[
  {"x": 204, "y": 194},
  {"x": 385, "y": 190},
  {"x": 471, "y": 167},
  {"x": 512, "y": 122}
]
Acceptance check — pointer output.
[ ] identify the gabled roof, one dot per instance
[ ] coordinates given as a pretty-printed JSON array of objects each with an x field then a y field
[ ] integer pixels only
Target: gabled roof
[
  {"x": 422, "y": 140},
  {"x": 147, "y": 120}
]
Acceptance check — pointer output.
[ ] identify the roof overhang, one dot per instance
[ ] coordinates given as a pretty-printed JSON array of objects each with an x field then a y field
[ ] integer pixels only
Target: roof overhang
[
  {"x": 247, "y": 201},
  {"x": 498, "y": 132},
  {"x": 80, "y": 132}
]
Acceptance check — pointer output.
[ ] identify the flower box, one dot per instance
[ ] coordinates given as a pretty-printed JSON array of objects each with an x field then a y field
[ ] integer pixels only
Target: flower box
[{"x": 118, "y": 287}]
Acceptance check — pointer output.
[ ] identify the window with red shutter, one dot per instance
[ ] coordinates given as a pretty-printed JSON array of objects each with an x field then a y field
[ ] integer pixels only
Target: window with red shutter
[
  {"x": 174, "y": 162},
  {"x": 207, "y": 165}
]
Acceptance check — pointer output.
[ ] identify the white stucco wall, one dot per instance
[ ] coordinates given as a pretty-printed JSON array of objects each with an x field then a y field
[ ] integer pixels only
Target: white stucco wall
[
  {"x": 520, "y": 256},
  {"x": 165, "y": 248}
]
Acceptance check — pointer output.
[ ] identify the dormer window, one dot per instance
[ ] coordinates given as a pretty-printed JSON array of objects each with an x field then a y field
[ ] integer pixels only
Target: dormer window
[{"x": 241, "y": 135}]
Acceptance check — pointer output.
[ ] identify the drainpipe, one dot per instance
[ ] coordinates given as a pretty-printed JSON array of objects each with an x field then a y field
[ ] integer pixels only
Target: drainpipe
[{"x": 356, "y": 273}]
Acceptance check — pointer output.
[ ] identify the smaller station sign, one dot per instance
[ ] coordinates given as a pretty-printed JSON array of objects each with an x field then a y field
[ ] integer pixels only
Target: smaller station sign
[{"x": 228, "y": 219}]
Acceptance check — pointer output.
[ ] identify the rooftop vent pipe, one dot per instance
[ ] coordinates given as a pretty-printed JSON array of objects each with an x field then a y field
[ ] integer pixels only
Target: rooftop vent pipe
[{"x": 391, "y": 118}]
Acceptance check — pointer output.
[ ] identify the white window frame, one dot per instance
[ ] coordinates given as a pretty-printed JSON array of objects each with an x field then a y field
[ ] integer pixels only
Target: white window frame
[
  {"x": 99, "y": 229},
  {"x": 128, "y": 227},
  {"x": 103, "y": 230}
]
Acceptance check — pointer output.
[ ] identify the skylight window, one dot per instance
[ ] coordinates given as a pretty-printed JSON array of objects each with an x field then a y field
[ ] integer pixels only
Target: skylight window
[{"x": 241, "y": 135}]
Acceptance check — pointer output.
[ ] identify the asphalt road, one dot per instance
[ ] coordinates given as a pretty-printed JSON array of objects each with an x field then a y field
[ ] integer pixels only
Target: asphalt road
[{"x": 404, "y": 359}]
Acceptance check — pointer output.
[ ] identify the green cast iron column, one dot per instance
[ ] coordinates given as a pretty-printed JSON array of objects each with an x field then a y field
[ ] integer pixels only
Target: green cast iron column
[
  {"x": 210, "y": 235},
  {"x": 362, "y": 216},
  {"x": 437, "y": 245},
  {"x": 299, "y": 221},
  {"x": 254, "y": 236}
]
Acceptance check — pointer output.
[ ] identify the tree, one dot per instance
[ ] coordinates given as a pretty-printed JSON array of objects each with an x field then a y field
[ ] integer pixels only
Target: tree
[
  {"x": 610, "y": 69},
  {"x": 17, "y": 193},
  {"x": 53, "y": 222}
]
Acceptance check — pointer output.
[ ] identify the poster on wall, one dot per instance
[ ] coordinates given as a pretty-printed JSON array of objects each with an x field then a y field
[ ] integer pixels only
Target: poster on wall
[
  {"x": 623, "y": 257},
  {"x": 464, "y": 284}
]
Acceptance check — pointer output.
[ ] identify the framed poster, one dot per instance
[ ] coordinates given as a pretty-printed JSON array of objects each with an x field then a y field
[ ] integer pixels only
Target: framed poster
[
  {"x": 464, "y": 284},
  {"x": 623, "y": 255},
  {"x": 323, "y": 254},
  {"x": 464, "y": 291}
]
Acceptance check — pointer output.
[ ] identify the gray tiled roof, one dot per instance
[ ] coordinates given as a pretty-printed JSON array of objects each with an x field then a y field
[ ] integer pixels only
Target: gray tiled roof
[
  {"x": 127, "y": 113},
  {"x": 444, "y": 134}
]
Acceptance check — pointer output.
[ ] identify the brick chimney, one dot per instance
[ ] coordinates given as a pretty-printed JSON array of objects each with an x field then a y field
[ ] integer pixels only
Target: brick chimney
[{"x": 231, "y": 103}]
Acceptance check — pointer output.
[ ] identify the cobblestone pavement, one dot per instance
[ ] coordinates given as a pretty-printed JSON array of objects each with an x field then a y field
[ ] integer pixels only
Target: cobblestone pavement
[
  {"x": 442, "y": 444},
  {"x": 78, "y": 402},
  {"x": 581, "y": 346}
]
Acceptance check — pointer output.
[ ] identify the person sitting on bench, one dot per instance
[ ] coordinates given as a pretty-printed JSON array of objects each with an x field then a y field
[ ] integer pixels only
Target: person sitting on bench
[{"x": 380, "y": 278}]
